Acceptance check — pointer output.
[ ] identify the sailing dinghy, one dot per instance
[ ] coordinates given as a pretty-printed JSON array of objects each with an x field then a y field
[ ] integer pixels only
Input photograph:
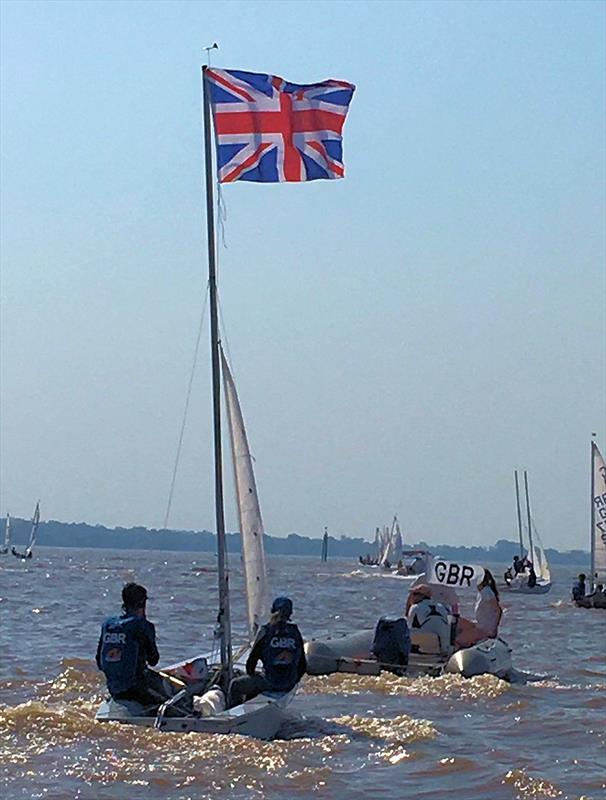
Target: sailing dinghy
[
  {"x": 521, "y": 582},
  {"x": 195, "y": 679},
  {"x": 32, "y": 536},
  {"x": 596, "y": 598},
  {"x": 199, "y": 702}
]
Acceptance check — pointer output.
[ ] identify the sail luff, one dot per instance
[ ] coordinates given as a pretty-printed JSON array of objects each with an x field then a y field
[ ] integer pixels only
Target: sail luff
[
  {"x": 386, "y": 555},
  {"x": 539, "y": 558},
  {"x": 7, "y": 533},
  {"x": 34, "y": 530},
  {"x": 598, "y": 517},
  {"x": 249, "y": 511},
  {"x": 529, "y": 521}
]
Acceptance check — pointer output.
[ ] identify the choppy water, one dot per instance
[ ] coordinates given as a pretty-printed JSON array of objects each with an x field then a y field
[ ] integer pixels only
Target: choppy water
[{"x": 349, "y": 737}]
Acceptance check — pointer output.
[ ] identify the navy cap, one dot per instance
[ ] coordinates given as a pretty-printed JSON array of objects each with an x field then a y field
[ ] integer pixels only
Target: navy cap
[{"x": 283, "y": 604}]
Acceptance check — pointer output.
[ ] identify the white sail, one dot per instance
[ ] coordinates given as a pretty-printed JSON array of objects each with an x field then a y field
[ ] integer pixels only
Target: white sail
[
  {"x": 378, "y": 544},
  {"x": 249, "y": 512},
  {"x": 7, "y": 534},
  {"x": 34, "y": 530},
  {"x": 386, "y": 554},
  {"x": 385, "y": 542},
  {"x": 598, "y": 517},
  {"x": 397, "y": 546},
  {"x": 538, "y": 558},
  {"x": 392, "y": 551}
]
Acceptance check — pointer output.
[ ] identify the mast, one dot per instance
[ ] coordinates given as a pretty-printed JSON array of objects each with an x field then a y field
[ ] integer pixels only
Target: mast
[
  {"x": 515, "y": 472},
  {"x": 223, "y": 618},
  {"x": 531, "y": 551},
  {"x": 592, "y": 506}
]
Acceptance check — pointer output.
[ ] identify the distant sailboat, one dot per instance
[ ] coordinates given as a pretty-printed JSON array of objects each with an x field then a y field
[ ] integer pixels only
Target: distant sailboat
[
  {"x": 392, "y": 552},
  {"x": 32, "y": 536},
  {"x": 7, "y": 536},
  {"x": 598, "y": 517},
  {"x": 524, "y": 582}
]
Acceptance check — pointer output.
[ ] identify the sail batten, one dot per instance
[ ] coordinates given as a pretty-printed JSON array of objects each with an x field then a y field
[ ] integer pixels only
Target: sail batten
[{"x": 249, "y": 511}]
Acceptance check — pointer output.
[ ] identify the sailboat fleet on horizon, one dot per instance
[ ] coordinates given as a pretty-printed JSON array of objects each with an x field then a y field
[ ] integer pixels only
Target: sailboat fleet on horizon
[{"x": 8, "y": 547}]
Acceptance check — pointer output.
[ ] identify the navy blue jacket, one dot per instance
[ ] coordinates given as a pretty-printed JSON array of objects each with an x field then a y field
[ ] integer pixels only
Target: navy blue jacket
[
  {"x": 280, "y": 648},
  {"x": 126, "y": 645}
]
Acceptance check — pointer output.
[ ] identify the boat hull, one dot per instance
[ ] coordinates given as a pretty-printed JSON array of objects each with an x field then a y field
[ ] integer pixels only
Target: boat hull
[
  {"x": 518, "y": 587},
  {"x": 260, "y": 718},
  {"x": 352, "y": 654}
]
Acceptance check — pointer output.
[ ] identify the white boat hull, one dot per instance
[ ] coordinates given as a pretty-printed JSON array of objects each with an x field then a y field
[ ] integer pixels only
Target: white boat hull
[
  {"x": 521, "y": 587},
  {"x": 353, "y": 654},
  {"x": 260, "y": 718}
]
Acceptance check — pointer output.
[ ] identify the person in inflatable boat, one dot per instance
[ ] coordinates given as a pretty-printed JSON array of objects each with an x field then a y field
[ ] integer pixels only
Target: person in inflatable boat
[
  {"x": 488, "y": 613},
  {"x": 279, "y": 647},
  {"x": 424, "y": 613}
]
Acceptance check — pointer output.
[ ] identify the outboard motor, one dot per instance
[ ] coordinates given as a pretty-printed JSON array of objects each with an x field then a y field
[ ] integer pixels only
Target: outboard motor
[{"x": 391, "y": 644}]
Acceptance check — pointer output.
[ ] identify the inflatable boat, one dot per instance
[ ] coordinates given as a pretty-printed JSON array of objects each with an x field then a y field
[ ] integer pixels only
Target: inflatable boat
[{"x": 430, "y": 655}]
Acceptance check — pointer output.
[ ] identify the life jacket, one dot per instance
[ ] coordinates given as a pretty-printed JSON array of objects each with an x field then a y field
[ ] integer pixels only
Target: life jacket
[
  {"x": 428, "y": 616},
  {"x": 578, "y": 590},
  {"x": 281, "y": 654},
  {"x": 425, "y": 610},
  {"x": 119, "y": 656},
  {"x": 391, "y": 643}
]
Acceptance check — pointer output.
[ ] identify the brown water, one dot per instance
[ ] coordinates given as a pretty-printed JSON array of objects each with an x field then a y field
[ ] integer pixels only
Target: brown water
[{"x": 349, "y": 737}]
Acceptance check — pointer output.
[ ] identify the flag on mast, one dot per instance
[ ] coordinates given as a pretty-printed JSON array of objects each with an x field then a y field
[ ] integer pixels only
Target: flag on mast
[{"x": 269, "y": 130}]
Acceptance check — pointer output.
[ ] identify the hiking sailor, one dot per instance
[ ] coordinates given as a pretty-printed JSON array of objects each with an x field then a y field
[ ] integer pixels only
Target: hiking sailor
[
  {"x": 579, "y": 591},
  {"x": 126, "y": 646},
  {"x": 279, "y": 646}
]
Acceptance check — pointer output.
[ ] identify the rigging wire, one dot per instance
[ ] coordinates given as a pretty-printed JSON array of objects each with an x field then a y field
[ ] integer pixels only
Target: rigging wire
[{"x": 186, "y": 409}]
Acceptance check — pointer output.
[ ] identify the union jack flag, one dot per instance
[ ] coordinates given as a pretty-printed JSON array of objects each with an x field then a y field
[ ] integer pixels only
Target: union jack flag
[{"x": 269, "y": 130}]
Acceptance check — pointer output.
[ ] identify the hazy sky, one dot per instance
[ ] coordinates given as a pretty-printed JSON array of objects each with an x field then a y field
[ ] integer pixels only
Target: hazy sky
[{"x": 401, "y": 339}]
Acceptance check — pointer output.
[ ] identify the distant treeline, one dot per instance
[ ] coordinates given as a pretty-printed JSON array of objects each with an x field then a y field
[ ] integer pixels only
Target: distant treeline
[{"x": 80, "y": 534}]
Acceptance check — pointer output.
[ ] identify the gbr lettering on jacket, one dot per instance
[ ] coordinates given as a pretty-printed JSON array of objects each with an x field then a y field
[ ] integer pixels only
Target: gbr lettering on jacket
[
  {"x": 114, "y": 638},
  {"x": 283, "y": 642}
]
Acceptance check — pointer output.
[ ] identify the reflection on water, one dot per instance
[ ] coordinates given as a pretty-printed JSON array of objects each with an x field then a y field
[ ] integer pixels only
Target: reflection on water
[{"x": 349, "y": 736}]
